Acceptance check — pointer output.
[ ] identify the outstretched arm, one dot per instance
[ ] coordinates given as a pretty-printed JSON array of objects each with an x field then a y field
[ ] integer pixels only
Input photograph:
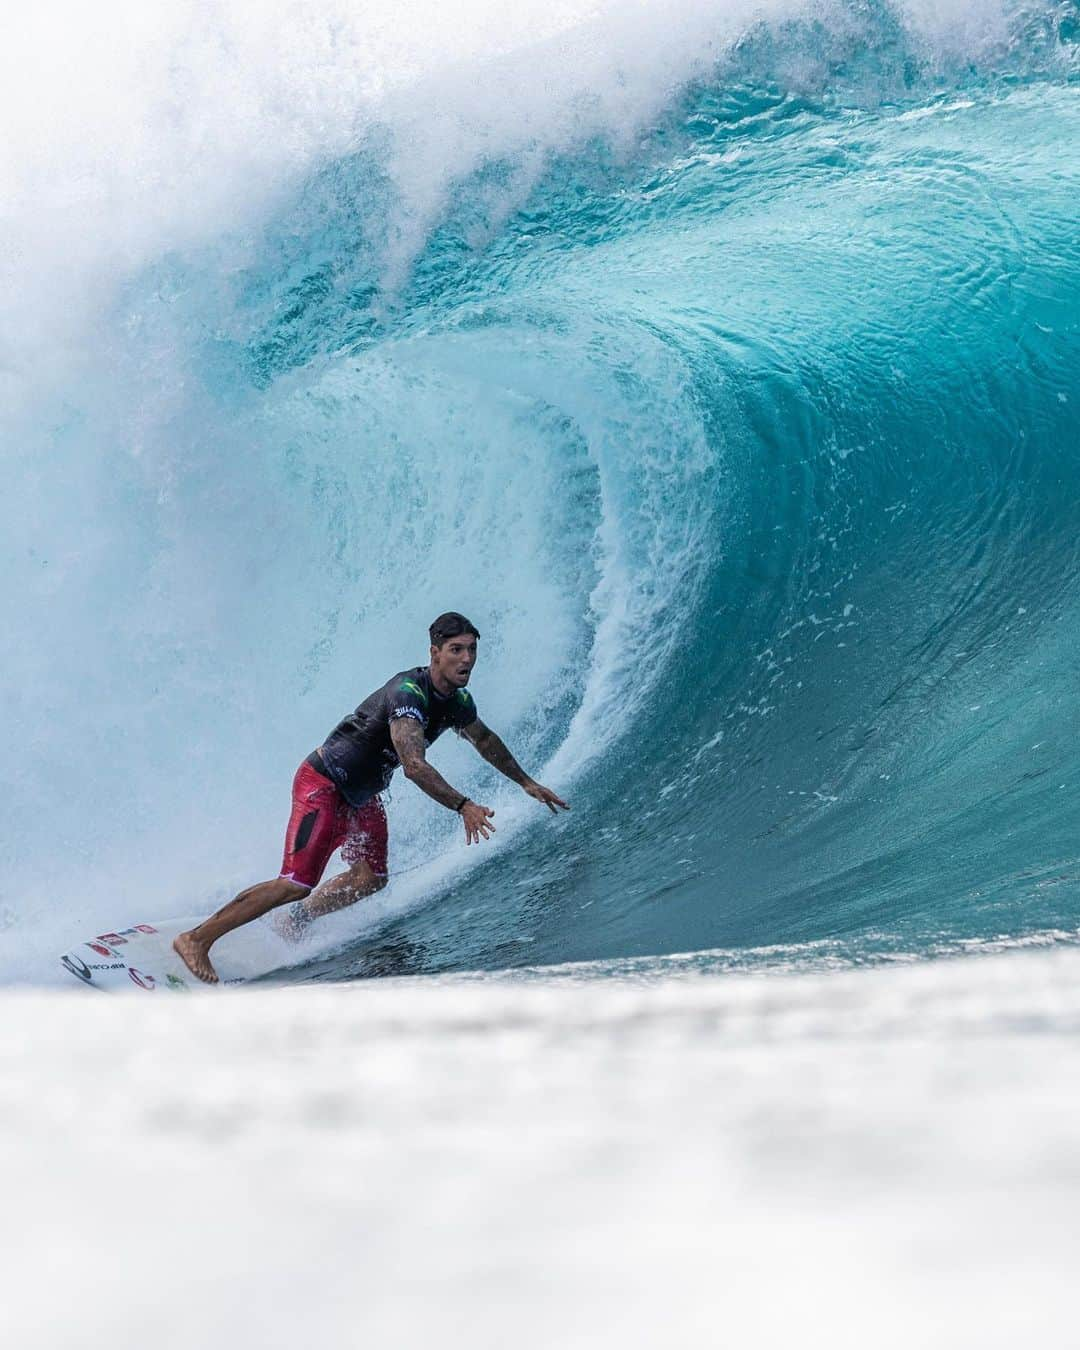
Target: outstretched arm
[
  {"x": 492, "y": 748},
  {"x": 495, "y": 752},
  {"x": 408, "y": 738}
]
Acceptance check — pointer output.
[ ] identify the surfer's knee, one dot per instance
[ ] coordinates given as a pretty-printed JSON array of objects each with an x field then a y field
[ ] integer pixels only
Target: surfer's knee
[
  {"x": 361, "y": 880},
  {"x": 364, "y": 881},
  {"x": 289, "y": 889}
]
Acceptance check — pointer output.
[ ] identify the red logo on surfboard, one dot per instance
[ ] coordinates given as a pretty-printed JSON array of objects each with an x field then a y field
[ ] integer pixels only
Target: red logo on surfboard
[
  {"x": 100, "y": 948},
  {"x": 145, "y": 928},
  {"x": 143, "y": 981},
  {"x": 113, "y": 939}
]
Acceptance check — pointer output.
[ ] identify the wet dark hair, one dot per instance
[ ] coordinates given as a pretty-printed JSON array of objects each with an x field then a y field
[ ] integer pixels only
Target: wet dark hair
[{"x": 450, "y": 625}]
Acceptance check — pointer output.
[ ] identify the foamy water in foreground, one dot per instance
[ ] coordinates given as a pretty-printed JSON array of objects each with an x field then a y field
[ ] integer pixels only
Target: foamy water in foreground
[{"x": 881, "y": 1157}]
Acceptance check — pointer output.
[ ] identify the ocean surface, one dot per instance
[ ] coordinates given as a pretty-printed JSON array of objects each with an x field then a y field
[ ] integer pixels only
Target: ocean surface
[{"x": 719, "y": 360}]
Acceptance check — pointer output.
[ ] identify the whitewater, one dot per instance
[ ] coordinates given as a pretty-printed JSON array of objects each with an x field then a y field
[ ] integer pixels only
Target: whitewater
[{"x": 719, "y": 361}]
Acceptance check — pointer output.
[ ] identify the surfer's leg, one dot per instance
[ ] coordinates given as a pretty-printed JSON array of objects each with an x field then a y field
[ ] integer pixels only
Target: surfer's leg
[
  {"x": 364, "y": 848},
  {"x": 343, "y": 890},
  {"x": 194, "y": 946},
  {"x": 314, "y": 831}
]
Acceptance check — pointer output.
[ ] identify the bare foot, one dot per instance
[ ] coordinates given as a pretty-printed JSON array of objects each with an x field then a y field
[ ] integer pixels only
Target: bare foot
[{"x": 195, "y": 955}]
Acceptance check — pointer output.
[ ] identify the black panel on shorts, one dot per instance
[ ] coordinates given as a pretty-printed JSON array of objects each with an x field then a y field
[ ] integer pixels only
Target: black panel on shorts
[{"x": 303, "y": 834}]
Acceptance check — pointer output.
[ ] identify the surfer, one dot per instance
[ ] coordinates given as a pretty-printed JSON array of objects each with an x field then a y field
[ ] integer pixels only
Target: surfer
[{"x": 336, "y": 792}]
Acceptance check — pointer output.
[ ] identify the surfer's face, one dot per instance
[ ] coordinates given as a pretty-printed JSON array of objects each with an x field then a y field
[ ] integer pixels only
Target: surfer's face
[{"x": 454, "y": 660}]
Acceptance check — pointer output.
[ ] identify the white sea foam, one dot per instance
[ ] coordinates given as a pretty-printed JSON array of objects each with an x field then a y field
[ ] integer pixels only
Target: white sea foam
[
  {"x": 812, "y": 1159},
  {"x": 132, "y": 130}
]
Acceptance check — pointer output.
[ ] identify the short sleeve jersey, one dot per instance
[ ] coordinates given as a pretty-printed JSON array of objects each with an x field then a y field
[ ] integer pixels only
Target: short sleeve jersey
[{"x": 359, "y": 755}]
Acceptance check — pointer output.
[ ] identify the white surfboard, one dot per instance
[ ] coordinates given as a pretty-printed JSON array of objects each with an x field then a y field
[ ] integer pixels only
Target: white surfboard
[{"x": 142, "y": 957}]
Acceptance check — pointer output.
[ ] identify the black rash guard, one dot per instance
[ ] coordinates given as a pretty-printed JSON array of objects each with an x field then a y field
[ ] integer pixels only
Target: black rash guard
[{"x": 359, "y": 755}]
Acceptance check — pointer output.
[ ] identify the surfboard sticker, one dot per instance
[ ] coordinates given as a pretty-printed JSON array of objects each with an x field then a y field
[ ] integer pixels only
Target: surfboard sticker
[{"x": 141, "y": 958}]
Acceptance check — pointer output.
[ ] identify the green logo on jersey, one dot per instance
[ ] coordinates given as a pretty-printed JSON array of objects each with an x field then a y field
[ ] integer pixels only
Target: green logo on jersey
[
  {"x": 413, "y": 688},
  {"x": 464, "y": 697}
]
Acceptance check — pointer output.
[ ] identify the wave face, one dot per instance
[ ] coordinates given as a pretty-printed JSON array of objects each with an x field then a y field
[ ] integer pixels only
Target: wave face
[{"x": 727, "y": 379}]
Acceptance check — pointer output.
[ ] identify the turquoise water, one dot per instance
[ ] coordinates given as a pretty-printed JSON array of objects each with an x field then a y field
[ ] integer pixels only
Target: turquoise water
[{"x": 745, "y": 423}]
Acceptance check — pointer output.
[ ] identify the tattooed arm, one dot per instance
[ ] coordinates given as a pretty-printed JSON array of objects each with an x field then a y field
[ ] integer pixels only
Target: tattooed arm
[
  {"x": 408, "y": 737},
  {"x": 495, "y": 752}
]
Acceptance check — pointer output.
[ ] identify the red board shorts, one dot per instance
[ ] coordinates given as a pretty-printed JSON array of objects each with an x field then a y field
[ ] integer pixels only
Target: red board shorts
[{"x": 322, "y": 821}]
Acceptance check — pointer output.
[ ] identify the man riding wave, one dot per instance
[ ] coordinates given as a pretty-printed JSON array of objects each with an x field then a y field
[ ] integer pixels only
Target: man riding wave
[{"x": 336, "y": 792}]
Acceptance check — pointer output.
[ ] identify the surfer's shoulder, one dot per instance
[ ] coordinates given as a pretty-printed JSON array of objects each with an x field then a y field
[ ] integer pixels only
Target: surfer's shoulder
[{"x": 410, "y": 682}]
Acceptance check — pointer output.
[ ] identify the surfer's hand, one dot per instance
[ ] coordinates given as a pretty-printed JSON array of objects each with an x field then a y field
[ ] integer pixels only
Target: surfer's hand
[
  {"x": 545, "y": 795},
  {"x": 477, "y": 822}
]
